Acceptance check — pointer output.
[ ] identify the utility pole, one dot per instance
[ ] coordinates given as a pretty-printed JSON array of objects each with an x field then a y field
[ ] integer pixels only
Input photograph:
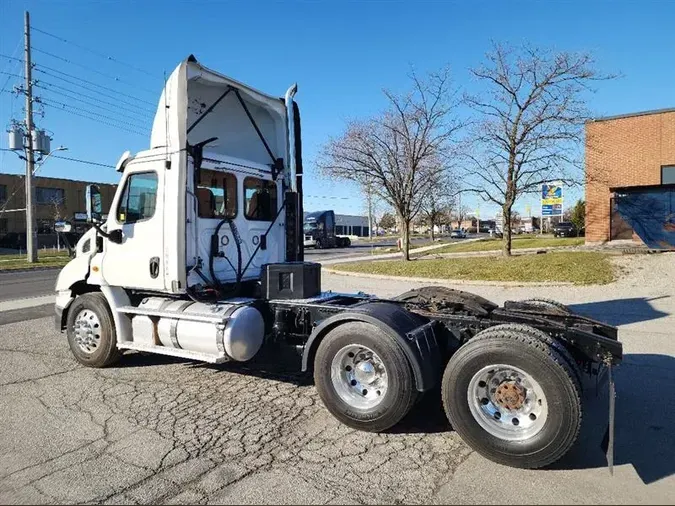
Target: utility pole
[
  {"x": 31, "y": 226},
  {"x": 370, "y": 212}
]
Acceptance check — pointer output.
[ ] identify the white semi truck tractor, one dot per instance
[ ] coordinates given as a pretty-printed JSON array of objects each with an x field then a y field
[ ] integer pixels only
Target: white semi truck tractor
[{"x": 201, "y": 257}]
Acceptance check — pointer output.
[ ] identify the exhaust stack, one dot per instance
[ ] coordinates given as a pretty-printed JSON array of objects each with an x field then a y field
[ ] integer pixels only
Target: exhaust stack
[{"x": 290, "y": 93}]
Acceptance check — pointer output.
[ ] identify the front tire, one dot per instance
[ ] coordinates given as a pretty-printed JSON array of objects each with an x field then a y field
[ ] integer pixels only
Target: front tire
[
  {"x": 513, "y": 398},
  {"x": 91, "y": 331},
  {"x": 363, "y": 377}
]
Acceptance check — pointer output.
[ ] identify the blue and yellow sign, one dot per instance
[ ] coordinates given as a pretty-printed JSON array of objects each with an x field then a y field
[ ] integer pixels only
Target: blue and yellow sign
[{"x": 551, "y": 199}]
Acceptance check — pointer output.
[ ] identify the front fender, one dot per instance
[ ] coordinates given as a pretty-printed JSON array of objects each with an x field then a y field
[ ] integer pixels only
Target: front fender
[
  {"x": 75, "y": 270},
  {"x": 415, "y": 335}
]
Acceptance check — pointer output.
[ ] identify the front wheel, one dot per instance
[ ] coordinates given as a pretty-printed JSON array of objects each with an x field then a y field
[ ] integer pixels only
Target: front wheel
[
  {"x": 363, "y": 377},
  {"x": 513, "y": 398},
  {"x": 91, "y": 331}
]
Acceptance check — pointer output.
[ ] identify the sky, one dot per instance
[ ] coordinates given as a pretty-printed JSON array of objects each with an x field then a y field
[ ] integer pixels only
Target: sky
[{"x": 341, "y": 54}]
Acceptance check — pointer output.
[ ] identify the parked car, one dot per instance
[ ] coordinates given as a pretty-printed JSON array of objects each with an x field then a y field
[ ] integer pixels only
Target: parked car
[
  {"x": 564, "y": 229},
  {"x": 458, "y": 234}
]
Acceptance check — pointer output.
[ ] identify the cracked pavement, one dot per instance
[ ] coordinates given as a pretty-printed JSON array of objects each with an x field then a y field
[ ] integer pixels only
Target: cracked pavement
[{"x": 154, "y": 429}]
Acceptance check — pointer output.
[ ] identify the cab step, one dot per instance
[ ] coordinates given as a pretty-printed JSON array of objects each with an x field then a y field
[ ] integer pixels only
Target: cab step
[{"x": 174, "y": 352}]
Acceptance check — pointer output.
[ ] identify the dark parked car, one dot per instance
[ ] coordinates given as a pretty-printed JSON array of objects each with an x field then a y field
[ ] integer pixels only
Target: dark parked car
[{"x": 564, "y": 229}]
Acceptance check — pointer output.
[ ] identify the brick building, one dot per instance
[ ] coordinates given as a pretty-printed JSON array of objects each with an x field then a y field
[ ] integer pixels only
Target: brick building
[
  {"x": 55, "y": 199},
  {"x": 631, "y": 150}
]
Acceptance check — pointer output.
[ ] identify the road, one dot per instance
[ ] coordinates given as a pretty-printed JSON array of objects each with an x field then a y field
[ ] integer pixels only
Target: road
[
  {"x": 23, "y": 284},
  {"x": 161, "y": 430}
]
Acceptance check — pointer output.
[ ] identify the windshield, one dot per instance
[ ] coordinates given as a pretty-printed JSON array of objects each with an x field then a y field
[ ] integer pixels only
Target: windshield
[{"x": 308, "y": 227}]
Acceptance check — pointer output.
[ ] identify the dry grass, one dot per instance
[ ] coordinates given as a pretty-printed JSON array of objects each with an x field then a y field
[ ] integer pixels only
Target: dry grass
[{"x": 581, "y": 268}]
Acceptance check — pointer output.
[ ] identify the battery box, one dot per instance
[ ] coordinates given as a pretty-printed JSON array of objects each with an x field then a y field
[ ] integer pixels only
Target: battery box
[{"x": 291, "y": 280}]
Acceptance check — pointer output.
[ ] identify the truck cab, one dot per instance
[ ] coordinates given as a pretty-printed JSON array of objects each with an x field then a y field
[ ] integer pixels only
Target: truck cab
[{"x": 319, "y": 231}]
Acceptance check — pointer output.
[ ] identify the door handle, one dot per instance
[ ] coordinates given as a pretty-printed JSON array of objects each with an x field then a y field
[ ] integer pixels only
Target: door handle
[{"x": 154, "y": 267}]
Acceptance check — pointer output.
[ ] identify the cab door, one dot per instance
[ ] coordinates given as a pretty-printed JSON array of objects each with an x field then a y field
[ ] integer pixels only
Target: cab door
[{"x": 137, "y": 262}]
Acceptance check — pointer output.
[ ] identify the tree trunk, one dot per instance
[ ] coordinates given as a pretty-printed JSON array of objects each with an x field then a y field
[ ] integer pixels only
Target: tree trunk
[
  {"x": 432, "y": 231},
  {"x": 405, "y": 239},
  {"x": 506, "y": 242}
]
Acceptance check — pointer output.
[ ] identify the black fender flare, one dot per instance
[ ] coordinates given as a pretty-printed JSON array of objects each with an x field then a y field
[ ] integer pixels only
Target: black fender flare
[{"x": 415, "y": 335}]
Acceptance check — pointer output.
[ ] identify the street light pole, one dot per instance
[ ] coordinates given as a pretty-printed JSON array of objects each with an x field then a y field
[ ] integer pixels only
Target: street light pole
[{"x": 31, "y": 225}]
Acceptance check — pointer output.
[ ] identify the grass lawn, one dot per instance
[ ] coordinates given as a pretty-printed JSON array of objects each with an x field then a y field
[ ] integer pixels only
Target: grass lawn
[
  {"x": 518, "y": 242},
  {"x": 45, "y": 259},
  {"x": 580, "y": 268}
]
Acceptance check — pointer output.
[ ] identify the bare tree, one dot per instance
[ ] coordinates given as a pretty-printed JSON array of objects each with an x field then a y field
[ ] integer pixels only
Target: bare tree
[
  {"x": 460, "y": 212},
  {"x": 438, "y": 202},
  {"x": 530, "y": 124},
  {"x": 400, "y": 151},
  {"x": 56, "y": 208}
]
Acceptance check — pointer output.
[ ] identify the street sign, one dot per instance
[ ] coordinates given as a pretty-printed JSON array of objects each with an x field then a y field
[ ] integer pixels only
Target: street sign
[{"x": 552, "y": 199}]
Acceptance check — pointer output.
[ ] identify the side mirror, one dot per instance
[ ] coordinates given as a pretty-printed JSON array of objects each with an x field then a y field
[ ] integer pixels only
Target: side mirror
[
  {"x": 115, "y": 236},
  {"x": 63, "y": 227},
  {"x": 94, "y": 205}
]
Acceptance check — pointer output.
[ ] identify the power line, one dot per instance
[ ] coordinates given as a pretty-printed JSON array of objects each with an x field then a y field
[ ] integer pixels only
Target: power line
[
  {"x": 94, "y": 104},
  {"x": 95, "y": 119},
  {"x": 55, "y": 103},
  {"x": 115, "y": 78},
  {"x": 141, "y": 112},
  {"x": 325, "y": 197},
  {"x": 107, "y": 57},
  {"x": 40, "y": 68},
  {"x": 11, "y": 64},
  {"x": 98, "y": 164}
]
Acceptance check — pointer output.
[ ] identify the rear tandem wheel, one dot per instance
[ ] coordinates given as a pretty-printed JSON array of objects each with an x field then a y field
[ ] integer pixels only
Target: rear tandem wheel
[
  {"x": 513, "y": 397},
  {"x": 363, "y": 377}
]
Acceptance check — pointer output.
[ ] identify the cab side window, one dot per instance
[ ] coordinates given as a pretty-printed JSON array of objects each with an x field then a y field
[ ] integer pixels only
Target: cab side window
[
  {"x": 139, "y": 198},
  {"x": 261, "y": 199},
  {"x": 217, "y": 194}
]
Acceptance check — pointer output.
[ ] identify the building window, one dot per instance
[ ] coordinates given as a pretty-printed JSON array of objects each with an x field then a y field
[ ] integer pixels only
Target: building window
[
  {"x": 138, "y": 198},
  {"x": 50, "y": 195},
  {"x": 217, "y": 194},
  {"x": 261, "y": 199},
  {"x": 3, "y": 192},
  {"x": 667, "y": 174}
]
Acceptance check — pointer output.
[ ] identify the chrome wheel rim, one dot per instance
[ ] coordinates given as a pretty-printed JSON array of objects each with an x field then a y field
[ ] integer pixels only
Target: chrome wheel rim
[
  {"x": 507, "y": 402},
  {"x": 87, "y": 331},
  {"x": 359, "y": 377}
]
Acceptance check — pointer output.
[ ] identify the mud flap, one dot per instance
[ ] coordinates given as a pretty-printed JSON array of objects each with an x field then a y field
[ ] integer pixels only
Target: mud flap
[{"x": 608, "y": 441}]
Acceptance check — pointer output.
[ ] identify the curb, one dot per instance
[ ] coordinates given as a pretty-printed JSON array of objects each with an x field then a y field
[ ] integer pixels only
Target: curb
[
  {"x": 443, "y": 281},
  {"x": 389, "y": 256},
  {"x": 28, "y": 269}
]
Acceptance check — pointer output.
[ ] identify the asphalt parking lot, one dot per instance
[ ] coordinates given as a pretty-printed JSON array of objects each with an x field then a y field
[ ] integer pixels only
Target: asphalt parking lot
[{"x": 154, "y": 429}]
